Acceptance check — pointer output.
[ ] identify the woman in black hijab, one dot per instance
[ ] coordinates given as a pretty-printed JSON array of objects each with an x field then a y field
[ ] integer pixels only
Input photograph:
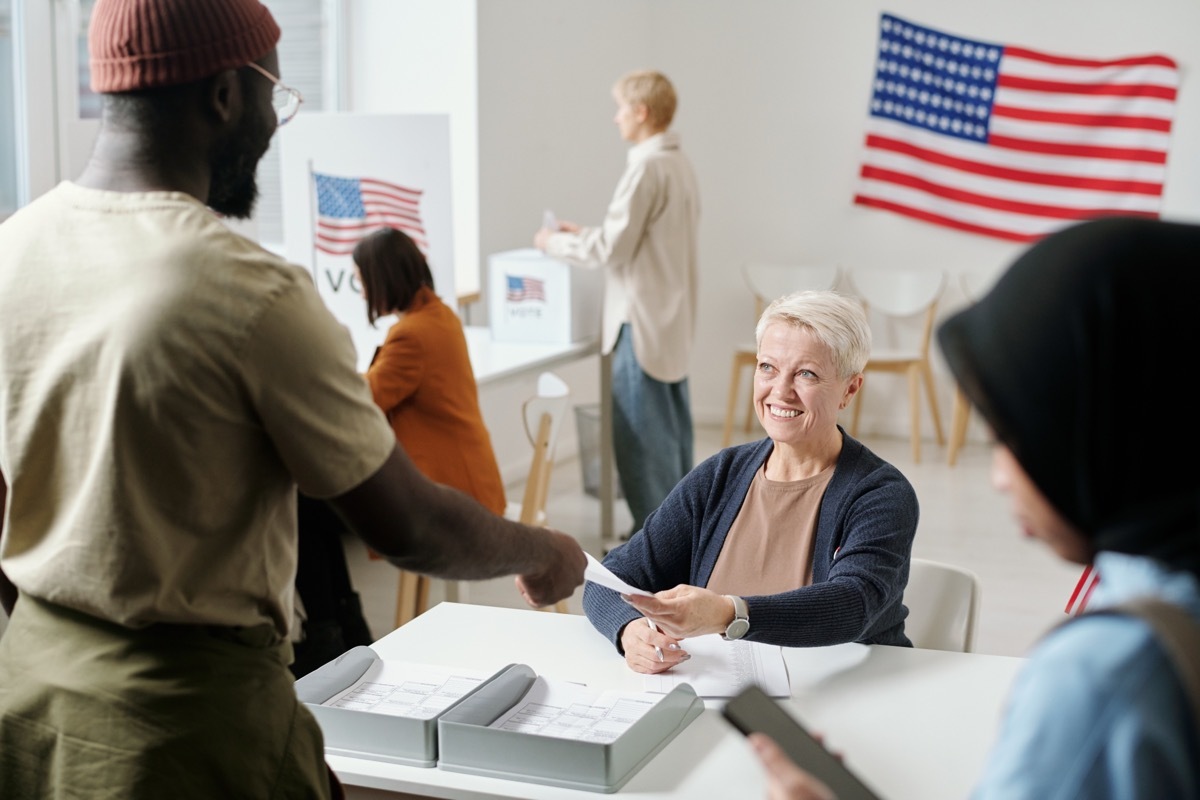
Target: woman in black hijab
[{"x": 1072, "y": 358}]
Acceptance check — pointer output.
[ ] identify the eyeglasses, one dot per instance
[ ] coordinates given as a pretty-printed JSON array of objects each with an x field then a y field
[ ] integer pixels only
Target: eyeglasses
[{"x": 285, "y": 99}]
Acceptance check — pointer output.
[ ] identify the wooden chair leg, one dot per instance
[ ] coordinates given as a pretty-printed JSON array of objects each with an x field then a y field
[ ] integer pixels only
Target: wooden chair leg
[
  {"x": 933, "y": 403},
  {"x": 958, "y": 426},
  {"x": 857, "y": 403},
  {"x": 914, "y": 402},
  {"x": 423, "y": 584},
  {"x": 731, "y": 406},
  {"x": 748, "y": 422},
  {"x": 412, "y": 597}
]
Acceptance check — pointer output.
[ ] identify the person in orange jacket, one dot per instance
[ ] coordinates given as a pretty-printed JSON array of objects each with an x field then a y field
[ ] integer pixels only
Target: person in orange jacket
[{"x": 421, "y": 377}]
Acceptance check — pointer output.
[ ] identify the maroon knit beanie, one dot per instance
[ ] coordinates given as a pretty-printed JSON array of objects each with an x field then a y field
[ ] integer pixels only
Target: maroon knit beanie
[{"x": 143, "y": 44}]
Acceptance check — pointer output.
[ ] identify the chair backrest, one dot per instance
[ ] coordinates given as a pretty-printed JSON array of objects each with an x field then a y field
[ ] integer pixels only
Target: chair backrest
[
  {"x": 902, "y": 293},
  {"x": 769, "y": 282},
  {"x": 943, "y": 606},
  {"x": 975, "y": 284},
  {"x": 899, "y": 292},
  {"x": 543, "y": 415}
]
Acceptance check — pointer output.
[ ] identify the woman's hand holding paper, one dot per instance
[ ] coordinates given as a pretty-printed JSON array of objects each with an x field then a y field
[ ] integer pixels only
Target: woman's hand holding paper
[{"x": 685, "y": 611}]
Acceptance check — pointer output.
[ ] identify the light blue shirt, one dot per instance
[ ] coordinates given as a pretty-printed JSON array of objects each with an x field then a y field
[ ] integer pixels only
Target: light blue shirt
[{"x": 1098, "y": 711}]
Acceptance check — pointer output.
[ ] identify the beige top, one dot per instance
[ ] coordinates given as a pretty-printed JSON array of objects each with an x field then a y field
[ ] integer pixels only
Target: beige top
[
  {"x": 647, "y": 246},
  {"x": 164, "y": 385},
  {"x": 769, "y": 547}
]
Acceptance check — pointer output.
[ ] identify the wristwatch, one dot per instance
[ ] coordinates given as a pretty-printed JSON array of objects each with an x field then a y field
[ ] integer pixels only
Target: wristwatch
[{"x": 741, "y": 619}]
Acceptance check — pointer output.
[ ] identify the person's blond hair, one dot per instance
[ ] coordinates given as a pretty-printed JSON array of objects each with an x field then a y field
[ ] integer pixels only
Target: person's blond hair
[
  {"x": 652, "y": 90},
  {"x": 835, "y": 320}
]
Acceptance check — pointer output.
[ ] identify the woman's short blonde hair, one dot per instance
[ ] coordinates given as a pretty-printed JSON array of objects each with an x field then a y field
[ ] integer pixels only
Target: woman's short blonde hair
[
  {"x": 837, "y": 321},
  {"x": 652, "y": 90}
]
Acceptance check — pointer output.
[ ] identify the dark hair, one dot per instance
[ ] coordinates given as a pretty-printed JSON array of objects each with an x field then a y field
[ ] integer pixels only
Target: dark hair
[{"x": 393, "y": 270}]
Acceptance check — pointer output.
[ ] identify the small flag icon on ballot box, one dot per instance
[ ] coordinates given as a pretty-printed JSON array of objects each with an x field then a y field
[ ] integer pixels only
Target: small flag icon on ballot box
[{"x": 535, "y": 298}]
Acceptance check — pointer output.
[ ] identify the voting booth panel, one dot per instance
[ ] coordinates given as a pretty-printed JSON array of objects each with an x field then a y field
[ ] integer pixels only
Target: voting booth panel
[
  {"x": 347, "y": 175},
  {"x": 535, "y": 298}
]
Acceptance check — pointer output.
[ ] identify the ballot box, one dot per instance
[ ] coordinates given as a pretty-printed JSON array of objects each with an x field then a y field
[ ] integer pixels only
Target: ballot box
[{"x": 535, "y": 298}]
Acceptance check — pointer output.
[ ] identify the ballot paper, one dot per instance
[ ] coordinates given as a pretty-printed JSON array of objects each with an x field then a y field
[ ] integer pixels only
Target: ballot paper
[
  {"x": 402, "y": 689},
  {"x": 602, "y": 575},
  {"x": 549, "y": 221},
  {"x": 720, "y": 668},
  {"x": 573, "y": 711}
]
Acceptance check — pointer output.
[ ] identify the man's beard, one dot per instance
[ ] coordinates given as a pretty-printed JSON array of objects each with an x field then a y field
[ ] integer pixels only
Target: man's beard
[{"x": 233, "y": 188}]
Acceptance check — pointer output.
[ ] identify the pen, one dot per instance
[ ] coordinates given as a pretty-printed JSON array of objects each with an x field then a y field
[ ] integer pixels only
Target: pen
[{"x": 657, "y": 650}]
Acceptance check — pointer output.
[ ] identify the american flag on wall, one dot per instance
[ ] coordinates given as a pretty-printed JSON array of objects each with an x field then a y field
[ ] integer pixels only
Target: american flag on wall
[
  {"x": 523, "y": 288},
  {"x": 350, "y": 208},
  {"x": 1005, "y": 141}
]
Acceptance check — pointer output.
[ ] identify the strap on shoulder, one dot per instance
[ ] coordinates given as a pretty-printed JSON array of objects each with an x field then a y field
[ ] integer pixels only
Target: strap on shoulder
[{"x": 1178, "y": 633}]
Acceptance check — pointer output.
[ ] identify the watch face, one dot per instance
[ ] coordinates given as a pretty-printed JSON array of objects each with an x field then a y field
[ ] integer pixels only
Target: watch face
[{"x": 737, "y": 629}]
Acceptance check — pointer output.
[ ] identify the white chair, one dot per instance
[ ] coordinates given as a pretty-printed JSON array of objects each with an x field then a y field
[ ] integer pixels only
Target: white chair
[
  {"x": 542, "y": 415},
  {"x": 943, "y": 606},
  {"x": 974, "y": 285},
  {"x": 768, "y": 282},
  {"x": 901, "y": 294}
]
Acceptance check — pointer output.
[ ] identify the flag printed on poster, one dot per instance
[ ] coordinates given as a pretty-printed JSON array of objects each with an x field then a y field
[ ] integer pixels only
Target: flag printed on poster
[
  {"x": 350, "y": 208},
  {"x": 522, "y": 288},
  {"x": 1009, "y": 142}
]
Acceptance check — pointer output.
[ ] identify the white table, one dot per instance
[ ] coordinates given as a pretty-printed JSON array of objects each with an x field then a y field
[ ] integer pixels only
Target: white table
[
  {"x": 493, "y": 361},
  {"x": 916, "y": 724}
]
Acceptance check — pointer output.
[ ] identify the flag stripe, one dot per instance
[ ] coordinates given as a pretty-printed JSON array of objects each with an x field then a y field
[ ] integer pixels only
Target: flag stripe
[
  {"x": 403, "y": 191},
  {"x": 1026, "y": 68},
  {"x": 1109, "y": 89},
  {"x": 941, "y": 219},
  {"x": 986, "y": 201},
  {"x": 1082, "y": 151},
  {"x": 995, "y": 192},
  {"x": 1009, "y": 142},
  {"x": 1086, "y": 104},
  {"x": 1021, "y": 225},
  {"x": 1136, "y": 139},
  {"x": 1069, "y": 61},
  {"x": 1016, "y": 165},
  {"x": 881, "y": 145},
  {"x": 1096, "y": 120}
]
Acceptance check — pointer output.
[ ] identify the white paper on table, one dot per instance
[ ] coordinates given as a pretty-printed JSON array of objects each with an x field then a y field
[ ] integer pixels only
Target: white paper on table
[
  {"x": 403, "y": 689},
  {"x": 719, "y": 668},
  {"x": 598, "y": 573},
  {"x": 573, "y": 711}
]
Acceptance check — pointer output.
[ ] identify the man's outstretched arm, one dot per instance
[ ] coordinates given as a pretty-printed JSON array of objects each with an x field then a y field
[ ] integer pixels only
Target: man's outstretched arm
[{"x": 424, "y": 527}]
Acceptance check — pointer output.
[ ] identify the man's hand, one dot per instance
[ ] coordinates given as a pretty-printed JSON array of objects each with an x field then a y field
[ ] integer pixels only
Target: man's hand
[
  {"x": 686, "y": 611},
  {"x": 563, "y": 571}
]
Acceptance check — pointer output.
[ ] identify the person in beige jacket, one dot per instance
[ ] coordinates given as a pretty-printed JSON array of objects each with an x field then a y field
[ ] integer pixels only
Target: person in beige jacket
[{"x": 647, "y": 247}]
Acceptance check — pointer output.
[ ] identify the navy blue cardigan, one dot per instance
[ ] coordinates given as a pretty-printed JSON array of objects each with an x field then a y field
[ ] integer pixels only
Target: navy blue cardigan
[{"x": 864, "y": 538}]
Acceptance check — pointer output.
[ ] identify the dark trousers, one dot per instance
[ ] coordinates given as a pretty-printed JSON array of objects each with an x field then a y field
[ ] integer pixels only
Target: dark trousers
[{"x": 333, "y": 613}]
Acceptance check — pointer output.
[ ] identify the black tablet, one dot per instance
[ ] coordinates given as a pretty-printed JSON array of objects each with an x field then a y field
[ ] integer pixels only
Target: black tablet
[{"x": 753, "y": 711}]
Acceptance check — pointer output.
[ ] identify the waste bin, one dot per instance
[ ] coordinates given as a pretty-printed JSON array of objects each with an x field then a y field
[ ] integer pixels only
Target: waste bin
[{"x": 587, "y": 431}]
